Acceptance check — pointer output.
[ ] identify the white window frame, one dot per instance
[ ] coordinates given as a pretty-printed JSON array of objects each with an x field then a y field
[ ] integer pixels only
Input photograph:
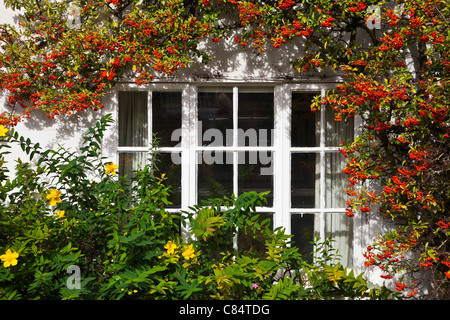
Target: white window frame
[{"x": 281, "y": 145}]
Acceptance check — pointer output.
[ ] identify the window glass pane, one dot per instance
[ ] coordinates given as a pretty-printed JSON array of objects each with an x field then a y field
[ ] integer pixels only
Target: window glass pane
[
  {"x": 337, "y": 131},
  {"x": 305, "y": 124},
  {"x": 255, "y": 173},
  {"x": 215, "y": 115},
  {"x": 304, "y": 189},
  {"x": 304, "y": 228},
  {"x": 133, "y": 130},
  {"x": 255, "y": 115},
  {"x": 170, "y": 164},
  {"x": 166, "y": 114},
  {"x": 256, "y": 243},
  {"x": 131, "y": 161},
  {"x": 340, "y": 228},
  {"x": 335, "y": 180},
  {"x": 215, "y": 175}
]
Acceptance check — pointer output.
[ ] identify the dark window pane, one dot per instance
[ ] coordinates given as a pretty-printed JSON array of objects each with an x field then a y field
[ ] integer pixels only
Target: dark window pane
[
  {"x": 255, "y": 173},
  {"x": 303, "y": 180},
  {"x": 215, "y": 115},
  {"x": 304, "y": 122},
  {"x": 170, "y": 164},
  {"x": 166, "y": 113},
  {"x": 133, "y": 122},
  {"x": 302, "y": 229},
  {"x": 255, "y": 116},
  {"x": 215, "y": 178},
  {"x": 254, "y": 243}
]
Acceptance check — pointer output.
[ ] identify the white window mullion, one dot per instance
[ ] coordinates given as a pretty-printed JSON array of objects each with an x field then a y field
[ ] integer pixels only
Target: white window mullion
[
  {"x": 111, "y": 102},
  {"x": 149, "y": 118},
  {"x": 188, "y": 157},
  {"x": 235, "y": 139},
  {"x": 282, "y": 156}
]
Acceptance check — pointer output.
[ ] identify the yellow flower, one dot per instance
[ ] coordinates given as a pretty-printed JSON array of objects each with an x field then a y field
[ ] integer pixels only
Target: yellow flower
[
  {"x": 188, "y": 253},
  {"x": 111, "y": 168},
  {"x": 60, "y": 213},
  {"x": 9, "y": 258},
  {"x": 170, "y": 246},
  {"x": 54, "y": 197},
  {"x": 3, "y": 131}
]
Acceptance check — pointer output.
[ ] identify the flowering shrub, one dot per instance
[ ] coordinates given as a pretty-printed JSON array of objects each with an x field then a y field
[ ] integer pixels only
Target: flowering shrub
[{"x": 69, "y": 213}]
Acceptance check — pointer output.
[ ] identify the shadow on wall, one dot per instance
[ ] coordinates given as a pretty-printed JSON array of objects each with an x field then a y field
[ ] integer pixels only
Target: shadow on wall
[
  {"x": 62, "y": 130},
  {"x": 231, "y": 61},
  {"x": 65, "y": 127}
]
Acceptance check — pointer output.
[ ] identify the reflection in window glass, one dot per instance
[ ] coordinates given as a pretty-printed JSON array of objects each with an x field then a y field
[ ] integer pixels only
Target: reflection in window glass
[
  {"x": 166, "y": 114},
  {"x": 256, "y": 115},
  {"x": 303, "y": 180},
  {"x": 215, "y": 178},
  {"x": 215, "y": 113},
  {"x": 304, "y": 123},
  {"x": 303, "y": 232},
  {"x": 339, "y": 227},
  {"x": 133, "y": 122},
  {"x": 254, "y": 173}
]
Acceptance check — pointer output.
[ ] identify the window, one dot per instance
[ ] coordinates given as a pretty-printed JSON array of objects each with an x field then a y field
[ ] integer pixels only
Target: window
[
  {"x": 317, "y": 181},
  {"x": 224, "y": 139}
]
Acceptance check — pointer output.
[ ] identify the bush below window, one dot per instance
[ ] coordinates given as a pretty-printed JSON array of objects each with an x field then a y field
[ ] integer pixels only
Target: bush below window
[{"x": 74, "y": 229}]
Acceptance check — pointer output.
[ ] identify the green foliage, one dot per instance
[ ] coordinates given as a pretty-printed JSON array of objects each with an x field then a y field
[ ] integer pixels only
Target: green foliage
[{"x": 69, "y": 211}]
